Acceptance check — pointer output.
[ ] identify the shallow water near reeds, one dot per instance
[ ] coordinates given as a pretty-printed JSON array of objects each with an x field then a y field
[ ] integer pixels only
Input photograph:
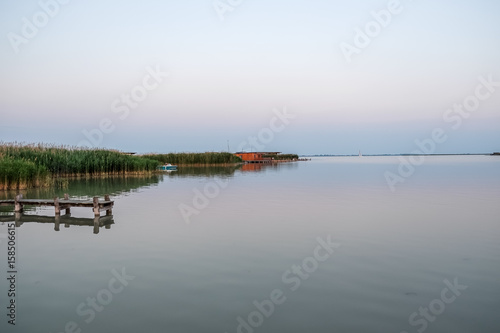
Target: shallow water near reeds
[{"x": 246, "y": 250}]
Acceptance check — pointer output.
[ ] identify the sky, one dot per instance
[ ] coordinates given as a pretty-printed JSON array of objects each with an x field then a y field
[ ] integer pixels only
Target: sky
[{"x": 296, "y": 76}]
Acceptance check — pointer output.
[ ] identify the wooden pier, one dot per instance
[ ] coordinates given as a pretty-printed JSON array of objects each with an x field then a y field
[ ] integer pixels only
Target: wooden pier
[{"x": 62, "y": 204}]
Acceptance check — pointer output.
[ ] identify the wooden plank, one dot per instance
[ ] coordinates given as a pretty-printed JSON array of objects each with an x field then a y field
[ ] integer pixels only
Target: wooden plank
[
  {"x": 51, "y": 202},
  {"x": 73, "y": 203},
  {"x": 85, "y": 202},
  {"x": 37, "y": 202}
]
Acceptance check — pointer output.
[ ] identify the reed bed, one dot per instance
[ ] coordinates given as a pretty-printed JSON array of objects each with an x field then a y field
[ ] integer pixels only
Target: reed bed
[
  {"x": 22, "y": 174},
  {"x": 31, "y": 165},
  {"x": 208, "y": 158}
]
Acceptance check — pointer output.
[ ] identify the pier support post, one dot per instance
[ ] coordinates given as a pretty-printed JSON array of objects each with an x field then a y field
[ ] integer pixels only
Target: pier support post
[
  {"x": 66, "y": 197},
  {"x": 110, "y": 210},
  {"x": 96, "y": 206},
  {"x": 56, "y": 206},
  {"x": 18, "y": 207}
]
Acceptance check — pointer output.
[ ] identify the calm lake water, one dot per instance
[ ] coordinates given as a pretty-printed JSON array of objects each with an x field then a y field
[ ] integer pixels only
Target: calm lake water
[{"x": 316, "y": 246}]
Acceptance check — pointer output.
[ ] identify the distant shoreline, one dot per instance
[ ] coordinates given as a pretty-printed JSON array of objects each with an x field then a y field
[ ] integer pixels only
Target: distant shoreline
[{"x": 354, "y": 155}]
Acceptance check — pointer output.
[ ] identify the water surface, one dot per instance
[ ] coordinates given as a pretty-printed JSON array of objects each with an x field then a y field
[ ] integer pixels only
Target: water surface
[{"x": 202, "y": 245}]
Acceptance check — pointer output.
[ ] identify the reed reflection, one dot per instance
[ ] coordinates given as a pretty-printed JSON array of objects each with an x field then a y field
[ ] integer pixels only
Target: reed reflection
[{"x": 90, "y": 186}]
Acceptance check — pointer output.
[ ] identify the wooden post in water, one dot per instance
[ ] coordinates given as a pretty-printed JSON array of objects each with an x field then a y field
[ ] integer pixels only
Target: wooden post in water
[
  {"x": 57, "y": 222},
  {"x": 108, "y": 211},
  {"x": 66, "y": 197},
  {"x": 96, "y": 207},
  {"x": 18, "y": 207},
  {"x": 56, "y": 206}
]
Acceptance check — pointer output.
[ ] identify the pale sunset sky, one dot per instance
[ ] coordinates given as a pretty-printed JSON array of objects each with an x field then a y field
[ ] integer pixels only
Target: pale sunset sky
[{"x": 371, "y": 75}]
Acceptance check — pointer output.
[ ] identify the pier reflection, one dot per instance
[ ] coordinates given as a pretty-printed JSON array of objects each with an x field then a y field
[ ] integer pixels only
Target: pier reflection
[{"x": 97, "y": 223}]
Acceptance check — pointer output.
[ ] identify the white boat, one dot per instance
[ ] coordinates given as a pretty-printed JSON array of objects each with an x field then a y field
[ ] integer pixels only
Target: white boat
[{"x": 168, "y": 167}]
